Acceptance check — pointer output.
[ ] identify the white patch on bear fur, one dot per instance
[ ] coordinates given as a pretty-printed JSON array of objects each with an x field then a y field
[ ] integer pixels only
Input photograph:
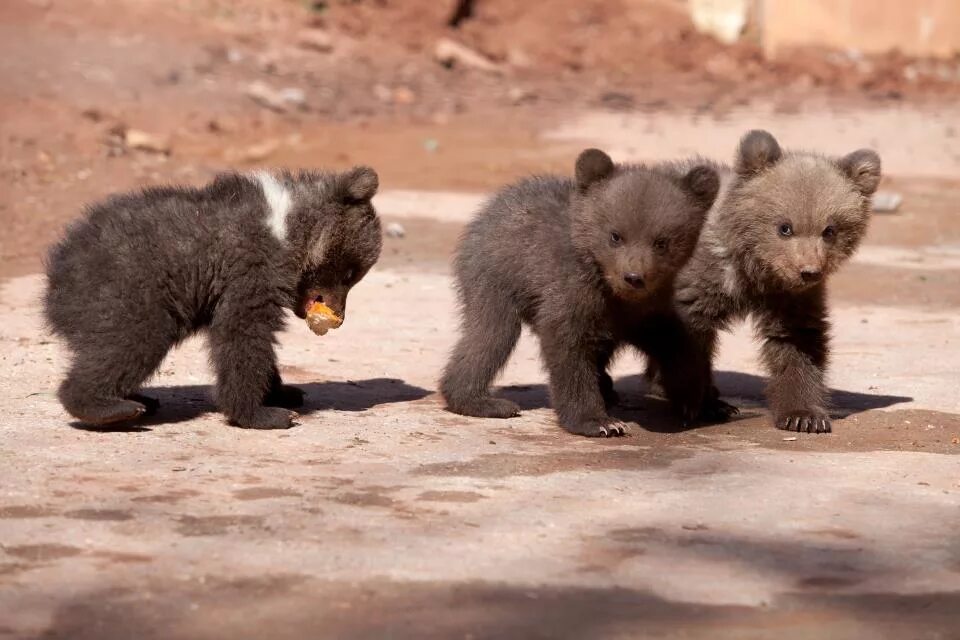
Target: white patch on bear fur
[
  {"x": 279, "y": 202},
  {"x": 731, "y": 282}
]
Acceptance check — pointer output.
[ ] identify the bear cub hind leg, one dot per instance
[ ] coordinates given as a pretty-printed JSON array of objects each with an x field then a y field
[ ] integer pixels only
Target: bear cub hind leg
[
  {"x": 101, "y": 386},
  {"x": 487, "y": 341}
]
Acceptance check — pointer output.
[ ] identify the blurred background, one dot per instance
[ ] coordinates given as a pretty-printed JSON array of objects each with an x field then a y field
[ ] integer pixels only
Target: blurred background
[{"x": 450, "y": 97}]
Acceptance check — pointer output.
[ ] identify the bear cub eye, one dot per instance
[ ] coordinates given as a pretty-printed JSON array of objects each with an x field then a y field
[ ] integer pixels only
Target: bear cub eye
[
  {"x": 829, "y": 233},
  {"x": 661, "y": 245},
  {"x": 615, "y": 239},
  {"x": 785, "y": 230}
]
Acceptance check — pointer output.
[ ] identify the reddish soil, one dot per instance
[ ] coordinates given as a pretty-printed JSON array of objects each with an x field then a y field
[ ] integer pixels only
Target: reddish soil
[{"x": 75, "y": 77}]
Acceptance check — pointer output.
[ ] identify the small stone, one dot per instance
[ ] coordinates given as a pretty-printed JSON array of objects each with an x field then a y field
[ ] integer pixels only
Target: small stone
[
  {"x": 315, "y": 40},
  {"x": 520, "y": 95},
  {"x": 143, "y": 141},
  {"x": 394, "y": 230},
  {"x": 450, "y": 54},
  {"x": 294, "y": 96},
  {"x": 886, "y": 201},
  {"x": 404, "y": 95},
  {"x": 276, "y": 100}
]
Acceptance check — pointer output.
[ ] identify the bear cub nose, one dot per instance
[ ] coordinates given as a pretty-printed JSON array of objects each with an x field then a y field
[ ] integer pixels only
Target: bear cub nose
[
  {"x": 635, "y": 280},
  {"x": 811, "y": 275}
]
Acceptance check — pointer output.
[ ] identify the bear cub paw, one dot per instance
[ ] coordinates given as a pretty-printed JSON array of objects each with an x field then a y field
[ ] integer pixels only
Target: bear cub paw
[
  {"x": 269, "y": 418},
  {"x": 605, "y": 428},
  {"x": 497, "y": 408},
  {"x": 804, "y": 421}
]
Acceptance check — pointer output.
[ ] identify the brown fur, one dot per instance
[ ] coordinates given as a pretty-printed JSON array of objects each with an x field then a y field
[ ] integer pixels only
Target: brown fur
[
  {"x": 589, "y": 265},
  {"x": 783, "y": 223},
  {"x": 142, "y": 271}
]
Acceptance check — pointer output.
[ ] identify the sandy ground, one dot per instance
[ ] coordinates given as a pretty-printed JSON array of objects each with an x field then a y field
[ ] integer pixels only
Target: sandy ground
[{"x": 381, "y": 514}]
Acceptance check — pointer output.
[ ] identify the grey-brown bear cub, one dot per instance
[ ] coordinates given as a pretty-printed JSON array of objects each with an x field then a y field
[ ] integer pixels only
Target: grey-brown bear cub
[
  {"x": 588, "y": 264},
  {"x": 783, "y": 222},
  {"x": 141, "y": 272}
]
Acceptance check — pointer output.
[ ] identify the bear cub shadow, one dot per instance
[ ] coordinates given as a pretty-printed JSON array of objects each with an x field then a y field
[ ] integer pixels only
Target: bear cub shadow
[
  {"x": 186, "y": 402},
  {"x": 653, "y": 413}
]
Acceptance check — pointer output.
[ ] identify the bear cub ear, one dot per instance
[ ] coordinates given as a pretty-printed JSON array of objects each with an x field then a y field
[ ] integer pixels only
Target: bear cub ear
[
  {"x": 863, "y": 168},
  {"x": 360, "y": 184},
  {"x": 758, "y": 150},
  {"x": 593, "y": 165},
  {"x": 703, "y": 183}
]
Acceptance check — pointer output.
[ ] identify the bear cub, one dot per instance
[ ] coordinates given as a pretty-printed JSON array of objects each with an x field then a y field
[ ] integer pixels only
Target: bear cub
[
  {"x": 587, "y": 264},
  {"x": 782, "y": 224},
  {"x": 141, "y": 272}
]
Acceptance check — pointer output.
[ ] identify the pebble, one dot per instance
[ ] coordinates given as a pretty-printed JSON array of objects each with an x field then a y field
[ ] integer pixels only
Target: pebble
[
  {"x": 886, "y": 201},
  {"x": 144, "y": 141},
  {"x": 394, "y": 230},
  {"x": 450, "y": 53},
  {"x": 315, "y": 40},
  {"x": 277, "y": 100}
]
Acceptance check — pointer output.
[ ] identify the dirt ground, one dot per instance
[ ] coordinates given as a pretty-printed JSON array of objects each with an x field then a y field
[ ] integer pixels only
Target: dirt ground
[{"x": 381, "y": 514}]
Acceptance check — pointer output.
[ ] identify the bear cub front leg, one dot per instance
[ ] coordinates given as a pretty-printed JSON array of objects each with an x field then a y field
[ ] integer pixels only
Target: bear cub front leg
[
  {"x": 246, "y": 364},
  {"x": 577, "y": 390},
  {"x": 795, "y": 352}
]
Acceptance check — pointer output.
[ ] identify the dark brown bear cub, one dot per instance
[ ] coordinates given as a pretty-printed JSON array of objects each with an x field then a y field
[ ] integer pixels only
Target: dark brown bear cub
[
  {"x": 141, "y": 272},
  {"x": 587, "y": 264},
  {"x": 783, "y": 223}
]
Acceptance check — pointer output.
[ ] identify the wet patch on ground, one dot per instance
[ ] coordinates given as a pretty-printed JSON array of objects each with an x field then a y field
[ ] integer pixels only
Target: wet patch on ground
[
  {"x": 110, "y": 515},
  {"x": 263, "y": 493},
  {"x": 169, "y": 497},
  {"x": 42, "y": 552},
  {"x": 594, "y": 458},
  {"x": 191, "y": 526},
  {"x": 23, "y": 511},
  {"x": 451, "y": 496}
]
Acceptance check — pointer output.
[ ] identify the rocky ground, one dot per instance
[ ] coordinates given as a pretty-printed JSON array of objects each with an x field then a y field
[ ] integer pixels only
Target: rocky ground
[{"x": 381, "y": 514}]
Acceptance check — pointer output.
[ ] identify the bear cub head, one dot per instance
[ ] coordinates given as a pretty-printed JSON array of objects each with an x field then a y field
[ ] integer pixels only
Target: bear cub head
[
  {"x": 793, "y": 218},
  {"x": 636, "y": 225},
  {"x": 336, "y": 234}
]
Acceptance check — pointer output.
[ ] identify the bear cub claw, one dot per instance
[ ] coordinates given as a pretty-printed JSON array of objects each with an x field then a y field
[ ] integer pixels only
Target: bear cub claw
[
  {"x": 151, "y": 405},
  {"x": 119, "y": 411},
  {"x": 804, "y": 422},
  {"x": 608, "y": 428}
]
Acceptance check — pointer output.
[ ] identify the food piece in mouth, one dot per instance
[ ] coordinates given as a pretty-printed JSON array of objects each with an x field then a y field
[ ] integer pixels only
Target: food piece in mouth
[{"x": 321, "y": 318}]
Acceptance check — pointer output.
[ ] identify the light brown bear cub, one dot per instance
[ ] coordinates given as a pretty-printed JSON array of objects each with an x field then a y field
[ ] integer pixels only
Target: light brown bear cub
[{"x": 782, "y": 223}]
